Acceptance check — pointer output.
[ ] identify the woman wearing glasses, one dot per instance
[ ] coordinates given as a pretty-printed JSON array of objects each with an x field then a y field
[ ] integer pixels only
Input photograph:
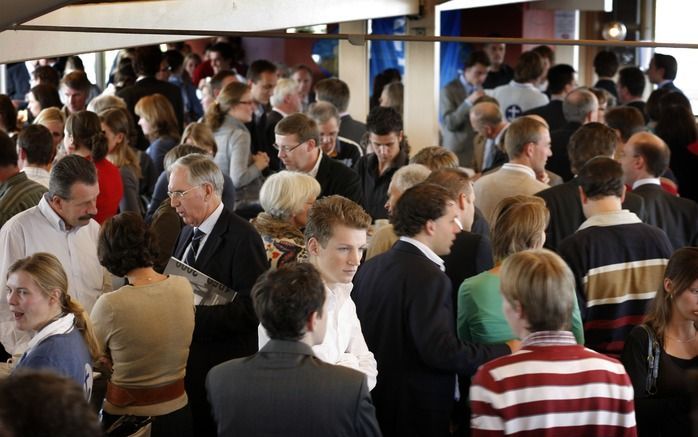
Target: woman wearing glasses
[{"x": 227, "y": 118}]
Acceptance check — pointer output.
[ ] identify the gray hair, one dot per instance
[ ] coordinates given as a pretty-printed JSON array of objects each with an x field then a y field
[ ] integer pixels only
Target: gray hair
[
  {"x": 284, "y": 193},
  {"x": 321, "y": 112},
  {"x": 283, "y": 89},
  {"x": 578, "y": 104},
  {"x": 408, "y": 176},
  {"x": 102, "y": 103},
  {"x": 69, "y": 171},
  {"x": 202, "y": 170}
]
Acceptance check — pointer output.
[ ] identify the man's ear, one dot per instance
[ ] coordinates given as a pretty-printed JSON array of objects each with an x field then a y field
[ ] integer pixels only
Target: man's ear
[
  {"x": 582, "y": 196},
  {"x": 430, "y": 227},
  {"x": 22, "y": 154},
  {"x": 313, "y": 246},
  {"x": 312, "y": 322},
  {"x": 462, "y": 200},
  {"x": 400, "y": 136}
]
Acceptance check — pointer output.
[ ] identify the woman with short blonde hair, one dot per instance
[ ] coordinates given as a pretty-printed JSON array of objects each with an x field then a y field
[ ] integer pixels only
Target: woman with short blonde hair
[
  {"x": 519, "y": 224},
  {"x": 286, "y": 198}
]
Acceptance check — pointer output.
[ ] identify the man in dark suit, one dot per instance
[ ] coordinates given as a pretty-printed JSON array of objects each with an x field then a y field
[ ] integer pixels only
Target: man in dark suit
[
  {"x": 644, "y": 159},
  {"x": 471, "y": 253},
  {"x": 228, "y": 249},
  {"x": 285, "y": 389},
  {"x": 579, "y": 107},
  {"x": 631, "y": 86},
  {"x": 662, "y": 71},
  {"x": 261, "y": 77},
  {"x": 563, "y": 202},
  {"x": 146, "y": 63},
  {"x": 403, "y": 300},
  {"x": 336, "y": 92},
  {"x": 298, "y": 146},
  {"x": 561, "y": 81},
  {"x": 606, "y": 66},
  {"x": 285, "y": 101}
]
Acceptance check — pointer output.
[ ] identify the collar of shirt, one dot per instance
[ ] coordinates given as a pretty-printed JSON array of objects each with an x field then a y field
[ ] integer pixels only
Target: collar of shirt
[
  {"x": 52, "y": 216},
  {"x": 646, "y": 181},
  {"x": 523, "y": 85},
  {"x": 622, "y": 217},
  {"x": 549, "y": 338},
  {"x": 426, "y": 250},
  {"x": 664, "y": 82},
  {"x": 35, "y": 171},
  {"x": 469, "y": 88},
  {"x": 500, "y": 136},
  {"x": 520, "y": 168},
  {"x": 316, "y": 167},
  {"x": 207, "y": 225}
]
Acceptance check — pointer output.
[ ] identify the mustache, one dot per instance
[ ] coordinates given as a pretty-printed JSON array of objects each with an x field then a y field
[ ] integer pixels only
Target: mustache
[{"x": 86, "y": 217}]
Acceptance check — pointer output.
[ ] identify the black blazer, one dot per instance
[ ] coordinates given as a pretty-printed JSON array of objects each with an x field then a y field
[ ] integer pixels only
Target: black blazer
[
  {"x": 560, "y": 161},
  {"x": 269, "y": 138},
  {"x": 146, "y": 87},
  {"x": 566, "y": 214},
  {"x": 676, "y": 216},
  {"x": 471, "y": 254},
  {"x": 352, "y": 129},
  {"x": 403, "y": 301},
  {"x": 336, "y": 178},
  {"x": 552, "y": 113},
  {"x": 234, "y": 255},
  {"x": 285, "y": 390}
]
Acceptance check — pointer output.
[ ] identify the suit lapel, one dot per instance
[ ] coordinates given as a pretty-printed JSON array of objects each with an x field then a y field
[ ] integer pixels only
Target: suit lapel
[
  {"x": 213, "y": 241},
  {"x": 183, "y": 241}
]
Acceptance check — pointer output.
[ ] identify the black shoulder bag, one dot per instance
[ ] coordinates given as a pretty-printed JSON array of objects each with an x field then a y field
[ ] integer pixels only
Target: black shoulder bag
[{"x": 654, "y": 351}]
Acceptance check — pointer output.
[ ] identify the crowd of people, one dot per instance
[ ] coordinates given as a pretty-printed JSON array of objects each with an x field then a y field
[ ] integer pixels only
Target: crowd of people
[{"x": 512, "y": 280}]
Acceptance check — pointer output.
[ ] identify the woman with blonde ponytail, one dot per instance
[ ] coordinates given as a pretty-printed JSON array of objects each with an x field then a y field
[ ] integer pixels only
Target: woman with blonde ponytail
[
  {"x": 226, "y": 118},
  {"x": 84, "y": 137},
  {"x": 63, "y": 340},
  {"x": 145, "y": 329}
]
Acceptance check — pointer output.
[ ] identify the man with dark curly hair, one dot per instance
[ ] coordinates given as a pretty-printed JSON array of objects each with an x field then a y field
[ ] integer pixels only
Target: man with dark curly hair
[{"x": 403, "y": 300}]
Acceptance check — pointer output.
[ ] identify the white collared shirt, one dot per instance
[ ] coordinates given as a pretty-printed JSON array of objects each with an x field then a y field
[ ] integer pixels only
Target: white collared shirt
[
  {"x": 426, "y": 250},
  {"x": 646, "y": 181},
  {"x": 520, "y": 168},
  {"x": 40, "y": 229},
  {"x": 206, "y": 227},
  {"x": 611, "y": 218},
  {"x": 316, "y": 167},
  {"x": 37, "y": 174},
  {"x": 344, "y": 343}
]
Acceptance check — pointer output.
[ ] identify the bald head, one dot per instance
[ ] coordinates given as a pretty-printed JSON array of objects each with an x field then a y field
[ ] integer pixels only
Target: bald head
[
  {"x": 652, "y": 152},
  {"x": 485, "y": 117},
  {"x": 580, "y": 106}
]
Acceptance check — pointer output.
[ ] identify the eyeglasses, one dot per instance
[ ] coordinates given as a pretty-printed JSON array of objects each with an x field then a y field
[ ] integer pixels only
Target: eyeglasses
[
  {"x": 287, "y": 149},
  {"x": 180, "y": 194}
]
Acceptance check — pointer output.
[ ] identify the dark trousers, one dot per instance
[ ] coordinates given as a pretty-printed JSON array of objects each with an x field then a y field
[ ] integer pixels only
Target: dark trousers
[{"x": 175, "y": 424}]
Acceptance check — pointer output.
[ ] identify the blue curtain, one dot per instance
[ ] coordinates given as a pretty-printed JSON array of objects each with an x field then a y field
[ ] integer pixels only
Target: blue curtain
[
  {"x": 387, "y": 54},
  {"x": 453, "y": 54}
]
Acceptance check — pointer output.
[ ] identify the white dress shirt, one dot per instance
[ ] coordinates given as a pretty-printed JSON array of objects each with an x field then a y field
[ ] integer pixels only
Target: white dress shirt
[{"x": 344, "y": 343}]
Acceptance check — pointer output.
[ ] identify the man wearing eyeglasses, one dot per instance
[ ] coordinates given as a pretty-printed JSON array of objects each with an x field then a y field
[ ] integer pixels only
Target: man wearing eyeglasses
[
  {"x": 228, "y": 249},
  {"x": 298, "y": 146}
]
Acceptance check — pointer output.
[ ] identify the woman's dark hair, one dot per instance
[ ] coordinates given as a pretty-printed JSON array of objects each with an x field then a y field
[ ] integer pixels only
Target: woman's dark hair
[
  {"x": 126, "y": 243},
  {"x": 47, "y": 96},
  {"x": 86, "y": 130},
  {"x": 8, "y": 114},
  {"x": 676, "y": 126}
]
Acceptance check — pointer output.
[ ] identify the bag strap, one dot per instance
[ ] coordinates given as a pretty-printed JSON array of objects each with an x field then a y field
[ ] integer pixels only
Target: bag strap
[{"x": 653, "y": 353}]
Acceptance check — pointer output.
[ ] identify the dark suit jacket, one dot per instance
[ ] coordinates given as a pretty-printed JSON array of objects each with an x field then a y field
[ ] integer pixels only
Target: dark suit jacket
[
  {"x": 336, "y": 178},
  {"x": 146, "y": 87},
  {"x": 552, "y": 113},
  {"x": 285, "y": 390},
  {"x": 234, "y": 255},
  {"x": 560, "y": 161},
  {"x": 566, "y": 214},
  {"x": 403, "y": 301},
  {"x": 608, "y": 85},
  {"x": 642, "y": 107},
  {"x": 676, "y": 216},
  {"x": 352, "y": 129},
  {"x": 471, "y": 254},
  {"x": 269, "y": 138}
]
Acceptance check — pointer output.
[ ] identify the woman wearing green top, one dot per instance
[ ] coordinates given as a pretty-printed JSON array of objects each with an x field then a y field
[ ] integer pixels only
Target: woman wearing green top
[{"x": 519, "y": 224}]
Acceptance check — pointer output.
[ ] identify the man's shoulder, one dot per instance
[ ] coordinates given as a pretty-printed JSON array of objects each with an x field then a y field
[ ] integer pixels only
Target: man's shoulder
[
  {"x": 566, "y": 191},
  {"x": 24, "y": 219}
]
